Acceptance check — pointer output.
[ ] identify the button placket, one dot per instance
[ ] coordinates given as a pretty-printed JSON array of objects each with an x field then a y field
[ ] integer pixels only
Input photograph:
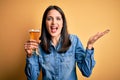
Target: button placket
[{"x": 56, "y": 66}]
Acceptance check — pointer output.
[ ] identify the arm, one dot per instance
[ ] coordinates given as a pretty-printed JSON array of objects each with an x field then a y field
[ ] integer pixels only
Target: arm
[
  {"x": 32, "y": 68},
  {"x": 84, "y": 59}
]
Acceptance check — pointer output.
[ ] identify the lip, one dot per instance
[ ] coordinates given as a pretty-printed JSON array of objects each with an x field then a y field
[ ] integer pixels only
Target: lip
[{"x": 53, "y": 29}]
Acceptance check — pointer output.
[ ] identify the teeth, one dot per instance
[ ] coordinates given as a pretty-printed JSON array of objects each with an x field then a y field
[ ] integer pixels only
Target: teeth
[{"x": 53, "y": 29}]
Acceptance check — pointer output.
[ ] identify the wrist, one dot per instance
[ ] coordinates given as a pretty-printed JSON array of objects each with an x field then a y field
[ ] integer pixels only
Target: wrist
[{"x": 90, "y": 46}]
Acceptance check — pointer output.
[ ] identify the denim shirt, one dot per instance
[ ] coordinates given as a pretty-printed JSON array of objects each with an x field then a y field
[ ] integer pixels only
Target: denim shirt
[{"x": 60, "y": 66}]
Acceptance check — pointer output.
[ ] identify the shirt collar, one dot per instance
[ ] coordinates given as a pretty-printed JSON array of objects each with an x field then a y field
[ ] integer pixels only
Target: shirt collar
[{"x": 58, "y": 46}]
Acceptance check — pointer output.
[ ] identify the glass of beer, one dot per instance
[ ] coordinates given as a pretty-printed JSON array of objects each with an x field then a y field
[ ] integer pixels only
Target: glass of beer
[{"x": 34, "y": 35}]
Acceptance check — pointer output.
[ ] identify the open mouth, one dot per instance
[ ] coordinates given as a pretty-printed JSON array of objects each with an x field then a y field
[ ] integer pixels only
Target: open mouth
[{"x": 54, "y": 29}]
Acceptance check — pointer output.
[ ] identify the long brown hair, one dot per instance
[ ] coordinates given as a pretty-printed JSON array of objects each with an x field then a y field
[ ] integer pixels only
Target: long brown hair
[{"x": 46, "y": 37}]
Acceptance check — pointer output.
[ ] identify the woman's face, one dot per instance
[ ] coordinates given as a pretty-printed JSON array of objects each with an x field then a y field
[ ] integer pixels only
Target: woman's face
[{"x": 54, "y": 23}]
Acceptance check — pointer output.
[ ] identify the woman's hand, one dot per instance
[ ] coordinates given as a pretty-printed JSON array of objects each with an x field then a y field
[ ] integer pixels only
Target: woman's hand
[
  {"x": 94, "y": 38},
  {"x": 29, "y": 46}
]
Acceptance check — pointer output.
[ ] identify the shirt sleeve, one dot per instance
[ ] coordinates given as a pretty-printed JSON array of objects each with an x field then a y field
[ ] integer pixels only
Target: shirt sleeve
[
  {"x": 32, "y": 68},
  {"x": 84, "y": 58}
]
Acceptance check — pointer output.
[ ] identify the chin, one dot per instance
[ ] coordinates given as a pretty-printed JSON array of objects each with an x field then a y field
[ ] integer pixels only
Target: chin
[{"x": 54, "y": 35}]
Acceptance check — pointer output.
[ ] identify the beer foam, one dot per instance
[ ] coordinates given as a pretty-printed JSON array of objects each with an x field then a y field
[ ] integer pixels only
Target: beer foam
[{"x": 34, "y": 30}]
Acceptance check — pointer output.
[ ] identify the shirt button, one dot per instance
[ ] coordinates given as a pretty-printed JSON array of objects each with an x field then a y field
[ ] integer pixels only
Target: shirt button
[
  {"x": 62, "y": 55},
  {"x": 62, "y": 59},
  {"x": 56, "y": 78}
]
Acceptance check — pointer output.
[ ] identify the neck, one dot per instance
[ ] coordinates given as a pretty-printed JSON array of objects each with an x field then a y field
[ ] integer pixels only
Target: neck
[{"x": 55, "y": 40}]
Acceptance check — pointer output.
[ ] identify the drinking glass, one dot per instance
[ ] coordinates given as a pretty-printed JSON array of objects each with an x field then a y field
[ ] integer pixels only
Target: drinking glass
[{"x": 34, "y": 35}]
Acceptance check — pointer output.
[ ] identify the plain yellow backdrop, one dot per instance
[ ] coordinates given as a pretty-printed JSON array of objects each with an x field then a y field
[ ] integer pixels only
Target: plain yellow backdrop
[{"x": 84, "y": 18}]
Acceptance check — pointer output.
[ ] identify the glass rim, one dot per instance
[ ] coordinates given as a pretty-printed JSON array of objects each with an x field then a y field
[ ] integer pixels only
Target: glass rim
[{"x": 34, "y": 30}]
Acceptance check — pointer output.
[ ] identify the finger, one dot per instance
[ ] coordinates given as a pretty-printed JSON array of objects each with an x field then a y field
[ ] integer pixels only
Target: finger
[
  {"x": 29, "y": 50},
  {"x": 103, "y": 33},
  {"x": 106, "y": 31},
  {"x": 96, "y": 35},
  {"x": 100, "y": 34},
  {"x": 29, "y": 53},
  {"x": 29, "y": 47},
  {"x": 34, "y": 44},
  {"x": 39, "y": 41},
  {"x": 31, "y": 43},
  {"x": 31, "y": 40}
]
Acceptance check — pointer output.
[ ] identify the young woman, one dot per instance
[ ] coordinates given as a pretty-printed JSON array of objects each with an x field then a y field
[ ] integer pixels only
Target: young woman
[{"x": 59, "y": 51}]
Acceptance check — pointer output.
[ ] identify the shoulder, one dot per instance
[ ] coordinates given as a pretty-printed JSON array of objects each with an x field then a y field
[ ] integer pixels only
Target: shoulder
[{"x": 73, "y": 37}]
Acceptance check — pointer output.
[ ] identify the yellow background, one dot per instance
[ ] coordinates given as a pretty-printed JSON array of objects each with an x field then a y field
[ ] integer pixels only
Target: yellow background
[{"x": 84, "y": 17}]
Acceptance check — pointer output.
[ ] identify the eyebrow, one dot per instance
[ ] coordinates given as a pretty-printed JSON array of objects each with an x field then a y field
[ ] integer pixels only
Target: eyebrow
[{"x": 55, "y": 16}]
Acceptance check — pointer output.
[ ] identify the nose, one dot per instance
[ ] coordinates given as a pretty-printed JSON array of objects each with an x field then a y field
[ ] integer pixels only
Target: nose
[{"x": 53, "y": 21}]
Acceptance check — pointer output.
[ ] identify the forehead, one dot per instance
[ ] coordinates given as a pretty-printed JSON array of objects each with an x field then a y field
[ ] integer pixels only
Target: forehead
[{"x": 53, "y": 12}]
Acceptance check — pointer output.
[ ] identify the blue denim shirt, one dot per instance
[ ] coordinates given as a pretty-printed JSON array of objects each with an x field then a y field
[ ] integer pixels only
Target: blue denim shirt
[{"x": 57, "y": 66}]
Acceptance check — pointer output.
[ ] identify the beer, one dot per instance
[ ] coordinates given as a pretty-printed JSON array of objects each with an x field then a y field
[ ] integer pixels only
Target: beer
[{"x": 34, "y": 34}]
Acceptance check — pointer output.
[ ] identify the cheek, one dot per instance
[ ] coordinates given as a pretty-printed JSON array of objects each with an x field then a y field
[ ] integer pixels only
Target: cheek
[
  {"x": 61, "y": 25},
  {"x": 47, "y": 25}
]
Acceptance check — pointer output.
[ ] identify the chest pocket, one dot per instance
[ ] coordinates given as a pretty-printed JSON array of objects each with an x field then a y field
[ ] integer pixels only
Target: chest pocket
[
  {"x": 69, "y": 56},
  {"x": 68, "y": 61},
  {"x": 46, "y": 58}
]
